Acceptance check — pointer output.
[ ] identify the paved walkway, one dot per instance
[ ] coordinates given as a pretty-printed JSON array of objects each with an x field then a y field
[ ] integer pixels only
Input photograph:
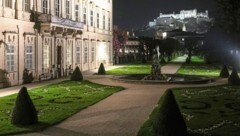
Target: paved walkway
[{"x": 121, "y": 114}]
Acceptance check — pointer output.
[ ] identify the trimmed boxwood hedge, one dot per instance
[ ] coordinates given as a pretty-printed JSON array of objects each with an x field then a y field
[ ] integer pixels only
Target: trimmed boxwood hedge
[
  {"x": 77, "y": 75},
  {"x": 101, "y": 70},
  {"x": 234, "y": 78},
  {"x": 224, "y": 72}
]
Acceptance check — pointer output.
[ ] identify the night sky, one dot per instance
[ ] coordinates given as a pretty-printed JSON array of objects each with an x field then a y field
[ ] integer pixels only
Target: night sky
[{"x": 130, "y": 14}]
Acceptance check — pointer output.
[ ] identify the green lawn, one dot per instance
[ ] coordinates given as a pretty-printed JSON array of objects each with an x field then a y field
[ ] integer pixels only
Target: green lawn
[
  {"x": 212, "y": 111},
  {"x": 198, "y": 67},
  {"x": 197, "y": 59},
  {"x": 55, "y": 103},
  {"x": 131, "y": 69}
]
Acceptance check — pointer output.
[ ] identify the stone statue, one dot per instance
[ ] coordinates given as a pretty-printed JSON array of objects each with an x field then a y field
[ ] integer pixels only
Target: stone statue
[{"x": 156, "y": 67}]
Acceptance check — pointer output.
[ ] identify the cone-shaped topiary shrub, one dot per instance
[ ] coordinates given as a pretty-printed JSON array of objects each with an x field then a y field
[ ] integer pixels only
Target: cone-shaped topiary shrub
[
  {"x": 27, "y": 77},
  {"x": 169, "y": 121},
  {"x": 224, "y": 72},
  {"x": 233, "y": 79},
  {"x": 188, "y": 61},
  {"x": 101, "y": 70},
  {"x": 163, "y": 61},
  {"x": 77, "y": 75},
  {"x": 24, "y": 112}
]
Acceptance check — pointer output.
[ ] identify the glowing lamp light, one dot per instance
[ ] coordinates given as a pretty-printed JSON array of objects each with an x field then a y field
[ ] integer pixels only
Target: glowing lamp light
[
  {"x": 164, "y": 35},
  {"x": 102, "y": 51}
]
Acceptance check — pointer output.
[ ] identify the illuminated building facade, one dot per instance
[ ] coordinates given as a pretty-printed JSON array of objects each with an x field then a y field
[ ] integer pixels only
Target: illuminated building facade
[{"x": 50, "y": 38}]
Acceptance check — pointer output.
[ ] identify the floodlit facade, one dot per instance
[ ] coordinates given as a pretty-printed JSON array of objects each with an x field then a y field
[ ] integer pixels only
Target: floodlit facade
[
  {"x": 51, "y": 37},
  {"x": 132, "y": 44}
]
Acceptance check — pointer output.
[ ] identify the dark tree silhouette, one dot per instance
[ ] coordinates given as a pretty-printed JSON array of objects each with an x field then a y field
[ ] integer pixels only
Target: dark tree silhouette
[
  {"x": 190, "y": 43},
  {"x": 171, "y": 46}
]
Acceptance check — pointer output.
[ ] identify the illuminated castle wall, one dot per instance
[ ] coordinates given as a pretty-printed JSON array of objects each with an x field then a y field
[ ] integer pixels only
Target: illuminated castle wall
[{"x": 167, "y": 19}]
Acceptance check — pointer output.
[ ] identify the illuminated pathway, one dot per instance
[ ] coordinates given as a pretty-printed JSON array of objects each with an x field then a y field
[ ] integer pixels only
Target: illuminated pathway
[{"x": 121, "y": 114}]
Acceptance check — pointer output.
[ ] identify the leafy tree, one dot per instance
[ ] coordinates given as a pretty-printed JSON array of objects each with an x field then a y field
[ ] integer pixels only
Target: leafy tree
[
  {"x": 77, "y": 75},
  {"x": 24, "y": 112},
  {"x": 171, "y": 46},
  {"x": 101, "y": 70},
  {"x": 142, "y": 50},
  {"x": 169, "y": 121},
  {"x": 119, "y": 39},
  {"x": 190, "y": 43}
]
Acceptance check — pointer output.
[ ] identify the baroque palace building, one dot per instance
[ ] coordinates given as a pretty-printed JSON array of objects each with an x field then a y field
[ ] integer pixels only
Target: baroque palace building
[{"x": 50, "y": 38}]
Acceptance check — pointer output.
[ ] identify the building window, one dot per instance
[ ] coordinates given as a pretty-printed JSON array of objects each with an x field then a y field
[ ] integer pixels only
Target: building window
[
  {"x": 46, "y": 56},
  {"x": 77, "y": 12},
  {"x": 78, "y": 53},
  {"x": 8, "y": 3},
  {"x": 69, "y": 53},
  {"x": 29, "y": 56},
  {"x": 10, "y": 58},
  {"x": 109, "y": 24},
  {"x": 93, "y": 54},
  {"x": 67, "y": 9},
  {"x": 98, "y": 20},
  {"x": 91, "y": 17},
  {"x": 45, "y": 6},
  {"x": 85, "y": 54},
  {"x": 84, "y": 15},
  {"x": 27, "y": 5},
  {"x": 57, "y": 8},
  {"x": 104, "y": 21}
]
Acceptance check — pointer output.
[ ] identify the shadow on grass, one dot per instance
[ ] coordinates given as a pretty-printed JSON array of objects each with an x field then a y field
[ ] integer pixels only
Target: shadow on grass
[{"x": 40, "y": 126}]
